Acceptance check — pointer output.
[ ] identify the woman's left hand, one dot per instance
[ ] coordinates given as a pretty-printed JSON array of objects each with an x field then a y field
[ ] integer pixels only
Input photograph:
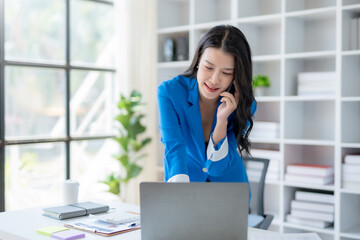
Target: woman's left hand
[{"x": 227, "y": 106}]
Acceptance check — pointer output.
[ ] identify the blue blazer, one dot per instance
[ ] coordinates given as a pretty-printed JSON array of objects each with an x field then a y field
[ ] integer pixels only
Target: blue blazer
[{"x": 183, "y": 139}]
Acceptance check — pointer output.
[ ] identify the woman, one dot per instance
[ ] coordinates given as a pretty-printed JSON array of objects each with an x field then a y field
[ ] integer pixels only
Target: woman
[{"x": 206, "y": 113}]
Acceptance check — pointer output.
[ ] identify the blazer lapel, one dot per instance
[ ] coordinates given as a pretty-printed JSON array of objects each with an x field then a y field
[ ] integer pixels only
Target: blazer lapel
[{"x": 193, "y": 116}]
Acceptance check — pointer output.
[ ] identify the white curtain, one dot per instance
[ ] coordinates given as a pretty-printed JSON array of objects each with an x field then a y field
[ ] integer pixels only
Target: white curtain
[{"x": 136, "y": 69}]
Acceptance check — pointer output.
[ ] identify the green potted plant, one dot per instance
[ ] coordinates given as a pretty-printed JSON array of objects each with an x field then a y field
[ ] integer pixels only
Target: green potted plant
[
  {"x": 128, "y": 138},
  {"x": 261, "y": 83}
]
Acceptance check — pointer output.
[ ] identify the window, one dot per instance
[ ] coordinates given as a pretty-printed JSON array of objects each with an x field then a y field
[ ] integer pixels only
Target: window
[{"x": 57, "y": 98}]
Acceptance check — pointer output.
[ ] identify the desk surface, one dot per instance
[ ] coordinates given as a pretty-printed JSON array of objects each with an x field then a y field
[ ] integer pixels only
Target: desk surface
[{"x": 24, "y": 223}]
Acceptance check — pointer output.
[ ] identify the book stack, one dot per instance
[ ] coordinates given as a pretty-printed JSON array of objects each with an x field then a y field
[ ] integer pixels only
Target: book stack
[
  {"x": 312, "y": 209},
  {"x": 316, "y": 83},
  {"x": 351, "y": 171},
  {"x": 355, "y": 33},
  {"x": 309, "y": 173},
  {"x": 263, "y": 129},
  {"x": 273, "y": 168}
]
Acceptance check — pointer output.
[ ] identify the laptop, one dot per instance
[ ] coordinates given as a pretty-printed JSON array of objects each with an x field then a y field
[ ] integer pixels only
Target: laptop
[{"x": 196, "y": 210}]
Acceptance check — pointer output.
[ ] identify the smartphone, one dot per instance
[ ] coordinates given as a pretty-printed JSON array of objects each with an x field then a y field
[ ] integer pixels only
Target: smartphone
[{"x": 231, "y": 88}]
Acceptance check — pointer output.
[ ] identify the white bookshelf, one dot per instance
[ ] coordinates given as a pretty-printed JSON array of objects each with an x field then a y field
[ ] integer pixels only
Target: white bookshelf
[{"x": 288, "y": 37}]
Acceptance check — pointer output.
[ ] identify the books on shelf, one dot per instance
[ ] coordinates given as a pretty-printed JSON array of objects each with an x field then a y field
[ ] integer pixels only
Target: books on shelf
[
  {"x": 309, "y": 222},
  {"x": 312, "y": 209},
  {"x": 254, "y": 168},
  {"x": 315, "y": 197},
  {"x": 309, "y": 179},
  {"x": 263, "y": 129},
  {"x": 309, "y": 173},
  {"x": 312, "y": 206},
  {"x": 316, "y": 83},
  {"x": 315, "y": 215},
  {"x": 310, "y": 169},
  {"x": 351, "y": 172},
  {"x": 352, "y": 159}
]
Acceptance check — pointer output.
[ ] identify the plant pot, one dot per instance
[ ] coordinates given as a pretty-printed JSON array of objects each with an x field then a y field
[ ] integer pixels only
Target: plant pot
[{"x": 260, "y": 91}]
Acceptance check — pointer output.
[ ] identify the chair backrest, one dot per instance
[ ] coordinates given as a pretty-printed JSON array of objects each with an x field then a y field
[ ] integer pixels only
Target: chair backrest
[{"x": 256, "y": 169}]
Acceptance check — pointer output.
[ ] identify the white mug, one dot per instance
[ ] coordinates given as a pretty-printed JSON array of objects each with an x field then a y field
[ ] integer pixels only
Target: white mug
[{"x": 70, "y": 191}]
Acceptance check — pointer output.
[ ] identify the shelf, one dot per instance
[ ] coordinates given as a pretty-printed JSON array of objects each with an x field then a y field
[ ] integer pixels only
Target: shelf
[
  {"x": 351, "y": 53},
  {"x": 263, "y": 36},
  {"x": 312, "y": 120},
  {"x": 266, "y": 58},
  {"x": 329, "y": 230},
  {"x": 350, "y": 145},
  {"x": 350, "y": 84},
  {"x": 309, "y": 142},
  {"x": 264, "y": 140},
  {"x": 353, "y": 232},
  {"x": 309, "y": 98},
  {"x": 212, "y": 10},
  {"x": 308, "y": 6},
  {"x": 261, "y": 20},
  {"x": 208, "y": 25},
  {"x": 267, "y": 98},
  {"x": 350, "y": 125},
  {"x": 350, "y": 191},
  {"x": 351, "y": 7},
  {"x": 174, "y": 64},
  {"x": 313, "y": 14},
  {"x": 349, "y": 216},
  {"x": 173, "y": 13},
  {"x": 310, "y": 54},
  {"x": 310, "y": 33},
  {"x": 288, "y": 37},
  {"x": 258, "y": 8},
  {"x": 350, "y": 99}
]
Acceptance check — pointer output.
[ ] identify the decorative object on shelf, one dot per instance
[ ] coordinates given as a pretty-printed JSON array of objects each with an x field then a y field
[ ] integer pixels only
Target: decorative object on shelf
[
  {"x": 169, "y": 48},
  {"x": 130, "y": 143},
  {"x": 181, "y": 49},
  {"x": 261, "y": 83}
]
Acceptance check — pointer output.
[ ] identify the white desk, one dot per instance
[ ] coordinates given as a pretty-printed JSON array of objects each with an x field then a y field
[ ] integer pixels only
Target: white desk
[{"x": 24, "y": 223}]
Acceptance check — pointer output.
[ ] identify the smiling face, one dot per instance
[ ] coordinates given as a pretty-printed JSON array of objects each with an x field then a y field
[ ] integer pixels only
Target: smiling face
[{"x": 215, "y": 73}]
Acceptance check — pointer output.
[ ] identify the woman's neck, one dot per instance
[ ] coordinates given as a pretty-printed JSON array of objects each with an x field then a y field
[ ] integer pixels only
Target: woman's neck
[{"x": 208, "y": 102}]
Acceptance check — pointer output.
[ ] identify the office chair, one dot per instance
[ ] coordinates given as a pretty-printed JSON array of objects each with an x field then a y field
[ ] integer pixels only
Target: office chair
[{"x": 257, "y": 218}]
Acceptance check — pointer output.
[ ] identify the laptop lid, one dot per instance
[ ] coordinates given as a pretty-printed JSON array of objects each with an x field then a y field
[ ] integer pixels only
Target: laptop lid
[{"x": 195, "y": 210}]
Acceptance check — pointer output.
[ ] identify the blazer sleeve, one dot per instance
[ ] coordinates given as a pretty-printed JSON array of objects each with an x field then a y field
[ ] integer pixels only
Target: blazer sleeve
[
  {"x": 219, "y": 157},
  {"x": 172, "y": 138}
]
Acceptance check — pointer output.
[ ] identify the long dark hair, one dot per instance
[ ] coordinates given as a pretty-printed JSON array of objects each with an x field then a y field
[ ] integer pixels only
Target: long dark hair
[{"x": 231, "y": 40}]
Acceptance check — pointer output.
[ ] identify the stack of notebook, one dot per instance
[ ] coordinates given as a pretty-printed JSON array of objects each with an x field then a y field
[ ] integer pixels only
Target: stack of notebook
[{"x": 312, "y": 209}]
